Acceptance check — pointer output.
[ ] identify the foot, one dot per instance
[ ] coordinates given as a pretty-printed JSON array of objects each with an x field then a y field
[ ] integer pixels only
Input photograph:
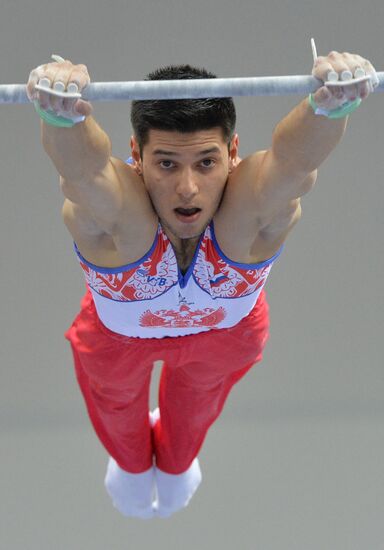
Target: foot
[
  {"x": 174, "y": 491},
  {"x": 154, "y": 416},
  {"x": 131, "y": 494}
]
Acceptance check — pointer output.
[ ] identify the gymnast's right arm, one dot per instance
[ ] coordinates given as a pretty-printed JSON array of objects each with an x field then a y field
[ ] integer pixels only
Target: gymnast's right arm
[
  {"x": 94, "y": 183},
  {"x": 81, "y": 154}
]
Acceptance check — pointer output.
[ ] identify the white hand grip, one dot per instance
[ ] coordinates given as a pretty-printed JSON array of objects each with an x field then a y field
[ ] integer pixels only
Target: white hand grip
[
  {"x": 58, "y": 58},
  {"x": 44, "y": 85},
  {"x": 333, "y": 77},
  {"x": 51, "y": 91},
  {"x": 348, "y": 82}
]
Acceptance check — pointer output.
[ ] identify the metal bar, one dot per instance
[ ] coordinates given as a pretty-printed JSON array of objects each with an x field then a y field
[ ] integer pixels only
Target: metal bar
[{"x": 181, "y": 89}]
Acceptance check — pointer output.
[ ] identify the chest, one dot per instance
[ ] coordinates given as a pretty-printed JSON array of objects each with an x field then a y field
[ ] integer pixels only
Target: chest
[
  {"x": 207, "y": 276},
  {"x": 184, "y": 256}
]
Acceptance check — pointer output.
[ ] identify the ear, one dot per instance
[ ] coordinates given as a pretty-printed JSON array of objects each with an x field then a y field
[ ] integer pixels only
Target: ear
[
  {"x": 135, "y": 152},
  {"x": 234, "y": 152}
]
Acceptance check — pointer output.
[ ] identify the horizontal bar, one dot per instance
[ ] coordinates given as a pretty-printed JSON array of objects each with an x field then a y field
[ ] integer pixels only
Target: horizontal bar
[{"x": 184, "y": 89}]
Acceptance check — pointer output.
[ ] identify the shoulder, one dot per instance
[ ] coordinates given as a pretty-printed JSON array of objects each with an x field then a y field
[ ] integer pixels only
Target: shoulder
[
  {"x": 111, "y": 219},
  {"x": 260, "y": 207}
]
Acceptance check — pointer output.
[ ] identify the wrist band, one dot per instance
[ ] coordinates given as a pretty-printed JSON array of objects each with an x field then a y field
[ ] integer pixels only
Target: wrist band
[
  {"x": 55, "y": 120},
  {"x": 341, "y": 112}
]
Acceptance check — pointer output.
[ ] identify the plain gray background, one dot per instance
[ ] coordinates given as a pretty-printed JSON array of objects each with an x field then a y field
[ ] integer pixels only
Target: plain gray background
[{"x": 295, "y": 462}]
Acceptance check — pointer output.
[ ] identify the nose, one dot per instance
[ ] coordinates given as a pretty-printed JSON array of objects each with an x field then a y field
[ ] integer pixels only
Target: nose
[{"x": 187, "y": 186}]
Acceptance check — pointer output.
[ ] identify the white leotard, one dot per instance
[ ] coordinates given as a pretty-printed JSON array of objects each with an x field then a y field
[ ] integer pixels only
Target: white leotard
[{"x": 152, "y": 299}]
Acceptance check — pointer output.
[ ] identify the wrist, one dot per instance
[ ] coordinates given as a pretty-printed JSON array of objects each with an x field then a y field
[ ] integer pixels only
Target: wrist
[
  {"x": 52, "y": 119},
  {"x": 340, "y": 112}
]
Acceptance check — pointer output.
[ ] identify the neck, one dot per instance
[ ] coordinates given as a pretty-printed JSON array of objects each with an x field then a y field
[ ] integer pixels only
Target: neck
[
  {"x": 185, "y": 252},
  {"x": 184, "y": 249}
]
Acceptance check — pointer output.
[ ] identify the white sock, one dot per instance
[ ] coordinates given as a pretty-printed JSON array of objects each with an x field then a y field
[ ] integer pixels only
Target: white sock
[
  {"x": 174, "y": 491},
  {"x": 154, "y": 416},
  {"x": 131, "y": 494}
]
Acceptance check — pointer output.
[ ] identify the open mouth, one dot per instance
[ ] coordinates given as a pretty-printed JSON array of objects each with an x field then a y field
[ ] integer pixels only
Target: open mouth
[
  {"x": 187, "y": 214},
  {"x": 187, "y": 211}
]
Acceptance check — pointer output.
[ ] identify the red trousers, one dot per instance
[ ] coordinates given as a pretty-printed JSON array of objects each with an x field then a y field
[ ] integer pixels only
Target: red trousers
[{"x": 114, "y": 373}]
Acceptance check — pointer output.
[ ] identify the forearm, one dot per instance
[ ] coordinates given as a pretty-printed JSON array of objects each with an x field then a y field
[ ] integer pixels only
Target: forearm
[
  {"x": 304, "y": 140},
  {"x": 78, "y": 152}
]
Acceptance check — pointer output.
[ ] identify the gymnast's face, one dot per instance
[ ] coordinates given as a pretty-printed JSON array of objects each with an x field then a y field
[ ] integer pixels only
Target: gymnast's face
[{"x": 185, "y": 175}]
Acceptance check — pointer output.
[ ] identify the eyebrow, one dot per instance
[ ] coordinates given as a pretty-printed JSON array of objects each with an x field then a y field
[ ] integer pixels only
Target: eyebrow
[{"x": 163, "y": 152}]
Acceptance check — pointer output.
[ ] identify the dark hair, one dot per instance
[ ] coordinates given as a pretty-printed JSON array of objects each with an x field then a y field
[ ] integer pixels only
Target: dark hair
[{"x": 182, "y": 115}]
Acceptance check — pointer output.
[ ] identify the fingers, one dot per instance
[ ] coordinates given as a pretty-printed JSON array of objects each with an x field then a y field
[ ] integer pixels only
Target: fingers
[
  {"x": 369, "y": 70},
  {"x": 346, "y": 76},
  {"x": 61, "y": 76},
  {"x": 328, "y": 99}
]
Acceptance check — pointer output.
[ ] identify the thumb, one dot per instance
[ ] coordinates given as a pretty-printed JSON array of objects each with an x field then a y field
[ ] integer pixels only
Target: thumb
[
  {"x": 323, "y": 97},
  {"x": 82, "y": 107}
]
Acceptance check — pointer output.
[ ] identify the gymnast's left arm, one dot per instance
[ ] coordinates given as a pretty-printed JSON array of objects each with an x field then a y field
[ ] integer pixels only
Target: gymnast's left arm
[{"x": 310, "y": 132}]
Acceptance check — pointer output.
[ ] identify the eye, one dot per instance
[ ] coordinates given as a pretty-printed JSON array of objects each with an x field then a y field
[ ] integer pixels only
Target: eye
[
  {"x": 166, "y": 164},
  {"x": 208, "y": 163}
]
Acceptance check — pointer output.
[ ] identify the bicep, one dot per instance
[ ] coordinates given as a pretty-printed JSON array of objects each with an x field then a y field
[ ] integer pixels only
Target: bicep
[
  {"x": 278, "y": 227},
  {"x": 80, "y": 224},
  {"x": 279, "y": 185},
  {"x": 262, "y": 198},
  {"x": 283, "y": 210},
  {"x": 98, "y": 198},
  {"x": 95, "y": 202},
  {"x": 115, "y": 202}
]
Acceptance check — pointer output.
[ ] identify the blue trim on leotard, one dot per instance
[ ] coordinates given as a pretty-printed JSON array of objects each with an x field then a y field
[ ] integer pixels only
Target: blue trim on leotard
[
  {"x": 119, "y": 269},
  {"x": 238, "y": 264}
]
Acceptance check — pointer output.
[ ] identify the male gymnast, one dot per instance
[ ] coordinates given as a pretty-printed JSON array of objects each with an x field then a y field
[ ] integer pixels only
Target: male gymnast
[{"x": 176, "y": 244}]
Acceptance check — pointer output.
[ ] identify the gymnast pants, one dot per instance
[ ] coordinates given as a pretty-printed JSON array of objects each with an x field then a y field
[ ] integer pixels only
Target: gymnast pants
[{"x": 114, "y": 373}]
